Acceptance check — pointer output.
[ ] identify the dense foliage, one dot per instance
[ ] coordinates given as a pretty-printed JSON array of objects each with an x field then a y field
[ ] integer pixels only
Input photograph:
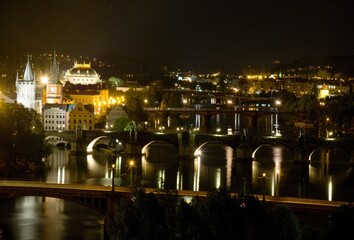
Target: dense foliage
[
  {"x": 120, "y": 123},
  {"x": 341, "y": 222},
  {"x": 219, "y": 216},
  {"x": 22, "y": 134}
]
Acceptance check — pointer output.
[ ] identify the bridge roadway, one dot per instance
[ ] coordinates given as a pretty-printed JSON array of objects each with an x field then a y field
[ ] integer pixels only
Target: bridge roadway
[
  {"x": 99, "y": 197},
  {"x": 212, "y": 110}
]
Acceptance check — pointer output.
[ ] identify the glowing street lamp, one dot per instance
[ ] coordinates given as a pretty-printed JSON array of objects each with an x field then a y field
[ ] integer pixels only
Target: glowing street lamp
[
  {"x": 229, "y": 103},
  {"x": 113, "y": 166},
  {"x": 277, "y": 103},
  {"x": 131, "y": 164},
  {"x": 44, "y": 79},
  {"x": 184, "y": 103},
  {"x": 263, "y": 177},
  {"x": 145, "y": 103}
]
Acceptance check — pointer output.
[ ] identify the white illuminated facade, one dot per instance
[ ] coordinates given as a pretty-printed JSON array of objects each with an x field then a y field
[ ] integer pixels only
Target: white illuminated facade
[
  {"x": 25, "y": 87},
  {"x": 54, "y": 117},
  {"x": 82, "y": 74}
]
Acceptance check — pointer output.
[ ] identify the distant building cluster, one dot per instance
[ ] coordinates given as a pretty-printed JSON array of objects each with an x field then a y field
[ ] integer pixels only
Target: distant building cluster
[
  {"x": 253, "y": 82},
  {"x": 70, "y": 101},
  {"x": 75, "y": 97}
]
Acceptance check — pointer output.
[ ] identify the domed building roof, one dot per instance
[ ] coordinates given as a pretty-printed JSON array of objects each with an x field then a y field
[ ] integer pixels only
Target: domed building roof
[
  {"x": 82, "y": 74},
  {"x": 82, "y": 69},
  {"x": 324, "y": 87}
]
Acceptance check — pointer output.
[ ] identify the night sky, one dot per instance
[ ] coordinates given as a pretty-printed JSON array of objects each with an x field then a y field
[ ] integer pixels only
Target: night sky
[{"x": 204, "y": 34}]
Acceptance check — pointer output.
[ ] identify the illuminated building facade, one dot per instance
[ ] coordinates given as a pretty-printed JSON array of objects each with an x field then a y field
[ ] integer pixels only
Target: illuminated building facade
[
  {"x": 324, "y": 91},
  {"x": 86, "y": 89},
  {"x": 81, "y": 117},
  {"x": 58, "y": 117},
  {"x": 98, "y": 98},
  {"x": 26, "y": 87},
  {"x": 54, "y": 117},
  {"x": 82, "y": 74}
]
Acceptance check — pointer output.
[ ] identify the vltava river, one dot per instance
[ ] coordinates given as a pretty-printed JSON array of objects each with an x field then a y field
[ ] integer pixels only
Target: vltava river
[{"x": 329, "y": 176}]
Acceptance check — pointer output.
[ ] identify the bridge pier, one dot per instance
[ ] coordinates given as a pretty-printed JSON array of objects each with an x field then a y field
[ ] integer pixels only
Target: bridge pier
[
  {"x": 78, "y": 148},
  {"x": 113, "y": 201},
  {"x": 205, "y": 123},
  {"x": 244, "y": 153},
  {"x": 79, "y": 145},
  {"x": 301, "y": 154},
  {"x": 132, "y": 148},
  {"x": 186, "y": 144}
]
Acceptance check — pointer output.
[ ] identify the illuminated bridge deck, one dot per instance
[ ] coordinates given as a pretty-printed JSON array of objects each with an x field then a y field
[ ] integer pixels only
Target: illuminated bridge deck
[{"x": 96, "y": 196}]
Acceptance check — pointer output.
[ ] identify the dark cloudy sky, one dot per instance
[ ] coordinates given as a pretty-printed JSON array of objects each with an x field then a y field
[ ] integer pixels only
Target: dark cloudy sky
[{"x": 222, "y": 34}]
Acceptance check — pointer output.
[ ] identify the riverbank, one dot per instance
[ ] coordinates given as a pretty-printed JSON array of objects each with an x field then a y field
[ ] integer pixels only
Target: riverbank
[{"x": 22, "y": 170}]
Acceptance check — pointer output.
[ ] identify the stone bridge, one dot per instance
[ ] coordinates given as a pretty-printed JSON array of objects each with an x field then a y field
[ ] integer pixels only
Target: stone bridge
[
  {"x": 252, "y": 113},
  {"x": 105, "y": 199},
  {"x": 188, "y": 143}
]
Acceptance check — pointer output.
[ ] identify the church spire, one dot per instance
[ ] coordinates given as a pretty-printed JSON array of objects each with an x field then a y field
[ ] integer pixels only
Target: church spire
[
  {"x": 28, "y": 75},
  {"x": 54, "y": 69},
  {"x": 54, "y": 58}
]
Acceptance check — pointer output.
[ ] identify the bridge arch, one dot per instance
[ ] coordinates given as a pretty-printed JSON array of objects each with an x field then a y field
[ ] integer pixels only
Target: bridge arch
[
  {"x": 154, "y": 142},
  {"x": 117, "y": 146},
  {"x": 158, "y": 144},
  {"x": 271, "y": 145},
  {"x": 254, "y": 152},
  {"x": 216, "y": 148},
  {"x": 198, "y": 150},
  {"x": 331, "y": 151},
  {"x": 59, "y": 140},
  {"x": 227, "y": 140}
]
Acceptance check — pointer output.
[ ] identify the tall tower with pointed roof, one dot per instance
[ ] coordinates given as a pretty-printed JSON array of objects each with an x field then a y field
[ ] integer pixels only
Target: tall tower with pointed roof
[
  {"x": 54, "y": 70},
  {"x": 25, "y": 87},
  {"x": 54, "y": 89}
]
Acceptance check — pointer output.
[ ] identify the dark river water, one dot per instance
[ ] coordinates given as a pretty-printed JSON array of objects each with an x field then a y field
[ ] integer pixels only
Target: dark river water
[{"x": 328, "y": 176}]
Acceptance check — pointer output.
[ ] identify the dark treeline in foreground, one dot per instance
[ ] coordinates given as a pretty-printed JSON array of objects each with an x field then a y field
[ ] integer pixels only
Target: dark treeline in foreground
[
  {"x": 219, "y": 216},
  {"x": 22, "y": 144}
]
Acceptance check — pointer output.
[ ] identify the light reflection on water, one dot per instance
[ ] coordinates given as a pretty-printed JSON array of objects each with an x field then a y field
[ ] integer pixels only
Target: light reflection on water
[
  {"x": 33, "y": 218},
  {"x": 213, "y": 167},
  {"x": 328, "y": 176}
]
